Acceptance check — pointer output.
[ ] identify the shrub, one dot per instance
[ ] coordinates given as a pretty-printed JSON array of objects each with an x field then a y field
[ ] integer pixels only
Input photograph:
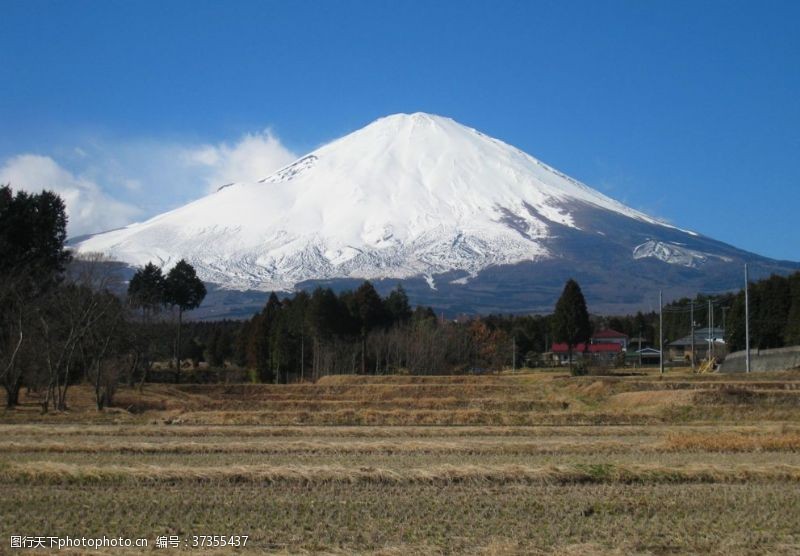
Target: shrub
[{"x": 579, "y": 369}]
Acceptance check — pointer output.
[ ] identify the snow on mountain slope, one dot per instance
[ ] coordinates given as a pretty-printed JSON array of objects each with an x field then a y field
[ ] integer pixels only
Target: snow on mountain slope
[
  {"x": 407, "y": 195},
  {"x": 673, "y": 253}
]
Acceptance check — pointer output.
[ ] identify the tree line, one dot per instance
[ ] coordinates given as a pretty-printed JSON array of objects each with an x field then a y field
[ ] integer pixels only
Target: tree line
[
  {"x": 66, "y": 320},
  {"x": 60, "y": 321},
  {"x": 305, "y": 336},
  {"x": 774, "y": 314}
]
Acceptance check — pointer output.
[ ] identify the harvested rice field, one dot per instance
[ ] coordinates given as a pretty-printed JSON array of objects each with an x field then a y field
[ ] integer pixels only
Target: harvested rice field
[{"x": 538, "y": 463}]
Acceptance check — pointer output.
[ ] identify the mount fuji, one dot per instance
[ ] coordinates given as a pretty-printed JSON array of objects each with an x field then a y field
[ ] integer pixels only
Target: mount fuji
[{"x": 466, "y": 222}]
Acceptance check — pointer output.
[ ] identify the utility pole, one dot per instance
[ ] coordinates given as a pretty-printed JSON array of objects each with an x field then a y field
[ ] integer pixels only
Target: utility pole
[
  {"x": 723, "y": 318},
  {"x": 661, "y": 330},
  {"x": 708, "y": 334},
  {"x": 640, "y": 347},
  {"x": 747, "y": 319},
  {"x": 691, "y": 317},
  {"x": 514, "y": 354},
  {"x": 713, "y": 331}
]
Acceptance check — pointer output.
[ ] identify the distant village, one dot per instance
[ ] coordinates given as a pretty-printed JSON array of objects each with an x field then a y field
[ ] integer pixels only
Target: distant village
[{"x": 612, "y": 348}]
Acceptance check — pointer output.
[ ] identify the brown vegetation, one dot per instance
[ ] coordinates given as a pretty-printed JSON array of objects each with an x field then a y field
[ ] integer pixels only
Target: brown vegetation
[
  {"x": 546, "y": 398},
  {"x": 55, "y": 473},
  {"x": 507, "y": 464},
  {"x": 734, "y": 442}
]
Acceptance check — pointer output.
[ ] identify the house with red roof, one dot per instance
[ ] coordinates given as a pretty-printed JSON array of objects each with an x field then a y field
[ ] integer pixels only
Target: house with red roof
[
  {"x": 609, "y": 336},
  {"x": 604, "y": 346}
]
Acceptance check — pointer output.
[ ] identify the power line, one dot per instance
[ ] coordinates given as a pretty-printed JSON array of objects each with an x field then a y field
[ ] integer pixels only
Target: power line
[{"x": 715, "y": 302}]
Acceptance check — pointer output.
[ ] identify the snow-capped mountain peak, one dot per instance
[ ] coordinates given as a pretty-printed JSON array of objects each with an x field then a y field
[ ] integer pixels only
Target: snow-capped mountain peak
[{"x": 407, "y": 195}]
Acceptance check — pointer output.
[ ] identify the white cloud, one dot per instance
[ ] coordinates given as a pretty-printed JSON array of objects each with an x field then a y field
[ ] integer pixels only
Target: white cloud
[
  {"x": 89, "y": 209},
  {"x": 106, "y": 183},
  {"x": 253, "y": 157}
]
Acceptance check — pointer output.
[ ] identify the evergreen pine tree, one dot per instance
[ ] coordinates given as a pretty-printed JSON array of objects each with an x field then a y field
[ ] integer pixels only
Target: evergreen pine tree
[
  {"x": 184, "y": 290},
  {"x": 33, "y": 229},
  {"x": 146, "y": 289},
  {"x": 735, "y": 325},
  {"x": 571, "y": 319},
  {"x": 299, "y": 324},
  {"x": 397, "y": 306},
  {"x": 326, "y": 318},
  {"x": 269, "y": 315},
  {"x": 792, "y": 332},
  {"x": 369, "y": 312},
  {"x": 769, "y": 309}
]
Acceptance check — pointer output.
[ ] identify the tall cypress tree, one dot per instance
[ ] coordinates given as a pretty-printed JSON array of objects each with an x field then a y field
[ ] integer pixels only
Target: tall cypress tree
[
  {"x": 299, "y": 318},
  {"x": 397, "y": 306},
  {"x": 267, "y": 332},
  {"x": 184, "y": 290},
  {"x": 325, "y": 319},
  {"x": 369, "y": 312},
  {"x": 146, "y": 289},
  {"x": 571, "y": 319},
  {"x": 33, "y": 228}
]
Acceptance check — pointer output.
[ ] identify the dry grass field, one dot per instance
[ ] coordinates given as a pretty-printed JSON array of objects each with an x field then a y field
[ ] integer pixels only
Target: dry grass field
[{"x": 529, "y": 463}]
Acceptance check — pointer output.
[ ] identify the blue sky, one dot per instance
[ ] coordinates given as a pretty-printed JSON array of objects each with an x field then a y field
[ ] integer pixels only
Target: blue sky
[{"x": 689, "y": 111}]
